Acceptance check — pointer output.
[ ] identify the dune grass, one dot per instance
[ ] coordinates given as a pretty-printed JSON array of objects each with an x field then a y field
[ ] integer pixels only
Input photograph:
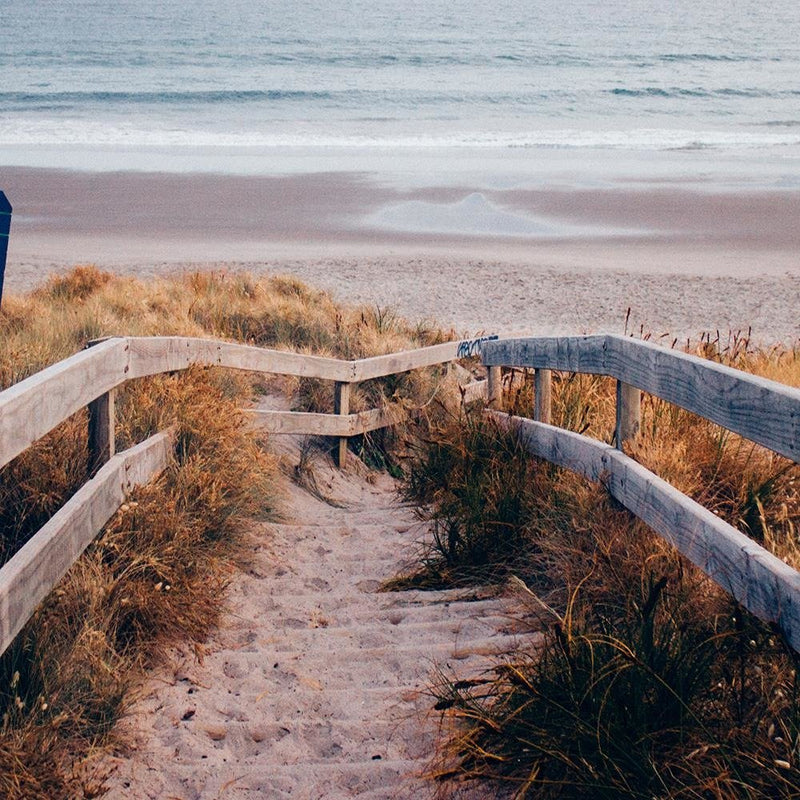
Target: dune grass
[
  {"x": 158, "y": 571},
  {"x": 648, "y": 680}
]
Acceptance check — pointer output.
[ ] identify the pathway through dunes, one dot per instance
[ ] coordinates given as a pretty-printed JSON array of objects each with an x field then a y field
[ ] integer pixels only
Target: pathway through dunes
[{"x": 315, "y": 686}]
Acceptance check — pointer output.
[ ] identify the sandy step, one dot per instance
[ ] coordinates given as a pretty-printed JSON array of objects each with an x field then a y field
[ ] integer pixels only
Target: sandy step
[
  {"x": 451, "y": 628},
  {"x": 370, "y": 593},
  {"x": 318, "y": 685},
  {"x": 296, "y": 740},
  {"x": 309, "y": 700},
  {"x": 398, "y": 780}
]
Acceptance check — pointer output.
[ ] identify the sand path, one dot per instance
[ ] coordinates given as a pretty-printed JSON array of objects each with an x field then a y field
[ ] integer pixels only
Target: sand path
[{"x": 315, "y": 686}]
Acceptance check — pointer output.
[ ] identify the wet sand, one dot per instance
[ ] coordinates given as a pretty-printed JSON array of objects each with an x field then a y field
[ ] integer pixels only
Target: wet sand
[{"x": 683, "y": 257}]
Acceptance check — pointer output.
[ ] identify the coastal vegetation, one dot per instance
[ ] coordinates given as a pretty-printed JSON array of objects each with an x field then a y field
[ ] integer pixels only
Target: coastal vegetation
[
  {"x": 648, "y": 679},
  {"x": 157, "y": 573}
]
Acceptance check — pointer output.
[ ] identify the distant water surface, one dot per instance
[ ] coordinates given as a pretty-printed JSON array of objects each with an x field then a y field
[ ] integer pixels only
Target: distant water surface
[{"x": 160, "y": 76}]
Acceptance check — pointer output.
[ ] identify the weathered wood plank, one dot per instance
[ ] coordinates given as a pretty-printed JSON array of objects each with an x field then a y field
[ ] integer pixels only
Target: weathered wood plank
[
  {"x": 36, "y": 405},
  {"x": 759, "y": 409},
  {"x": 543, "y": 395},
  {"x": 629, "y": 413},
  {"x": 32, "y": 573},
  {"x": 341, "y": 407},
  {"x": 476, "y": 390},
  {"x": 494, "y": 387},
  {"x": 760, "y": 581},
  {"x": 561, "y": 353},
  {"x": 101, "y": 430},
  {"x": 155, "y": 354},
  {"x": 380, "y": 366},
  {"x": 304, "y": 423}
]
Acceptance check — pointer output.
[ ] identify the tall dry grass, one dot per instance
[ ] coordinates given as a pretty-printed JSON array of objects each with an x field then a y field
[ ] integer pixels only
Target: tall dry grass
[
  {"x": 158, "y": 571},
  {"x": 648, "y": 680}
]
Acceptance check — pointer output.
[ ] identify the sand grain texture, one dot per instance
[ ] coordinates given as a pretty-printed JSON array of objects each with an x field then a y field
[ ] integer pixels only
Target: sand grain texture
[{"x": 315, "y": 686}]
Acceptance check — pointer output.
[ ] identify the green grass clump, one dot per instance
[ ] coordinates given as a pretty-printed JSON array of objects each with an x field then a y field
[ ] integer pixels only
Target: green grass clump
[{"x": 476, "y": 486}]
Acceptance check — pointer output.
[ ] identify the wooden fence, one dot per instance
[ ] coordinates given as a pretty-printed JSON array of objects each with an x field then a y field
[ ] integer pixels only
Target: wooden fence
[
  {"x": 758, "y": 409},
  {"x": 761, "y": 410},
  {"x": 36, "y": 405}
]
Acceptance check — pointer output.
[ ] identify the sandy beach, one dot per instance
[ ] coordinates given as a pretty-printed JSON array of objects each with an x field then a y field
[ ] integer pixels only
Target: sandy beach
[{"x": 685, "y": 257}]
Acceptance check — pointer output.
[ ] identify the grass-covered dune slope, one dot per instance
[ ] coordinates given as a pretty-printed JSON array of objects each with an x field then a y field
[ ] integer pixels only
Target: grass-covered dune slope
[{"x": 158, "y": 571}]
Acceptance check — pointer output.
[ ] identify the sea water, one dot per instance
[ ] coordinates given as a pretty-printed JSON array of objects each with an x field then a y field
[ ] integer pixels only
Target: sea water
[{"x": 283, "y": 85}]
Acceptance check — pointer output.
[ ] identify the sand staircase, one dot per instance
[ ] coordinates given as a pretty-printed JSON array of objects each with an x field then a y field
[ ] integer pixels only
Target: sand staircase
[{"x": 316, "y": 685}]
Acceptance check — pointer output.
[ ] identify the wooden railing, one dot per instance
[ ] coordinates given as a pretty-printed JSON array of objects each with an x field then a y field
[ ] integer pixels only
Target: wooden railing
[
  {"x": 758, "y": 409},
  {"x": 36, "y": 405},
  {"x": 761, "y": 410}
]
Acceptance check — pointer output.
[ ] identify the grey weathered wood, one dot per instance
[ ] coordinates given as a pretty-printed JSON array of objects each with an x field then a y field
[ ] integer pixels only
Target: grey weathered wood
[
  {"x": 560, "y": 353},
  {"x": 341, "y": 406},
  {"x": 152, "y": 355},
  {"x": 155, "y": 354},
  {"x": 629, "y": 413},
  {"x": 760, "y": 581},
  {"x": 33, "y": 407},
  {"x": 296, "y": 422},
  {"x": 761, "y": 410},
  {"x": 30, "y": 575},
  {"x": 101, "y": 430},
  {"x": 543, "y": 395},
  {"x": 380, "y": 366},
  {"x": 494, "y": 387}
]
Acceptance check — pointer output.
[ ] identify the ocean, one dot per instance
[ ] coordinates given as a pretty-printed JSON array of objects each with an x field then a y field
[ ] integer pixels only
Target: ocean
[{"x": 248, "y": 86}]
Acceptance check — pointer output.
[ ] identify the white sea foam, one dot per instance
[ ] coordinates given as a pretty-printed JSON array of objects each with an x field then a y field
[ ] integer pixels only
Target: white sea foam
[{"x": 86, "y": 133}]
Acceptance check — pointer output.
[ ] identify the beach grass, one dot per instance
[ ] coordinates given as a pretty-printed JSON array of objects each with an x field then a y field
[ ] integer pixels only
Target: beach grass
[
  {"x": 648, "y": 680},
  {"x": 157, "y": 573}
]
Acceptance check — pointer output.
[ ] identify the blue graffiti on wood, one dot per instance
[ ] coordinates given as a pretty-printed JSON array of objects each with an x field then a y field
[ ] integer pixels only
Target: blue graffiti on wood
[{"x": 472, "y": 347}]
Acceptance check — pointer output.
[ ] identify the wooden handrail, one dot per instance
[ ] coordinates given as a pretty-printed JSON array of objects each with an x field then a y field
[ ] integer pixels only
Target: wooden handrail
[
  {"x": 756, "y": 578},
  {"x": 33, "y": 407},
  {"x": 761, "y": 410},
  {"x": 764, "y": 411},
  {"x": 29, "y": 576},
  {"x": 36, "y": 405}
]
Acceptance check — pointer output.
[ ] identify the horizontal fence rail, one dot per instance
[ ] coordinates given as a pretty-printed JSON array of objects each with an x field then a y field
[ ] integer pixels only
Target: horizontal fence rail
[
  {"x": 758, "y": 409},
  {"x": 300, "y": 422},
  {"x": 756, "y": 578},
  {"x": 35, "y": 406},
  {"x": 29, "y": 576},
  {"x": 764, "y": 411}
]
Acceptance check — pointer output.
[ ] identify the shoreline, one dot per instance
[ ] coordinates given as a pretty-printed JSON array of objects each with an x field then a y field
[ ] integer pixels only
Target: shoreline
[{"x": 684, "y": 258}]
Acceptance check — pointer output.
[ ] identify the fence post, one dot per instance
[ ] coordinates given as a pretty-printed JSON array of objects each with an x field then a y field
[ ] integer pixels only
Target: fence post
[
  {"x": 543, "y": 395},
  {"x": 494, "y": 387},
  {"x": 341, "y": 406},
  {"x": 102, "y": 425},
  {"x": 5, "y": 228},
  {"x": 101, "y": 430},
  {"x": 629, "y": 413}
]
